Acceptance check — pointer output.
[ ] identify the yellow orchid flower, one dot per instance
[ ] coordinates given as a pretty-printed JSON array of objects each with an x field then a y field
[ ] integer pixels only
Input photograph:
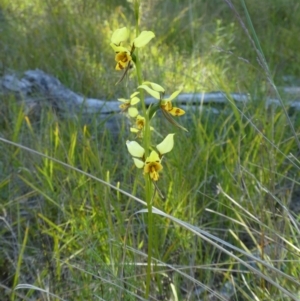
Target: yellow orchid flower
[
  {"x": 166, "y": 105},
  {"x": 151, "y": 164},
  {"x": 127, "y": 104},
  {"x": 140, "y": 122},
  {"x": 123, "y": 60},
  {"x": 139, "y": 125},
  {"x": 123, "y": 55},
  {"x": 157, "y": 92}
]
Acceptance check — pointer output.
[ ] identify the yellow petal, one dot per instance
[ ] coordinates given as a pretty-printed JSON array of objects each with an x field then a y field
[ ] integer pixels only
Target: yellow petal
[
  {"x": 119, "y": 67},
  {"x": 134, "y": 100},
  {"x": 119, "y": 35},
  {"x": 138, "y": 163},
  {"x": 154, "y": 175},
  {"x": 135, "y": 149},
  {"x": 166, "y": 145},
  {"x": 122, "y": 65},
  {"x": 124, "y": 106},
  {"x": 118, "y": 49},
  {"x": 176, "y": 111},
  {"x": 134, "y": 130},
  {"x": 143, "y": 39},
  {"x": 124, "y": 100},
  {"x": 153, "y": 93},
  {"x": 173, "y": 95},
  {"x": 140, "y": 122},
  {"x": 152, "y": 169},
  {"x": 133, "y": 112},
  {"x": 166, "y": 105},
  {"x": 123, "y": 57},
  {"x": 134, "y": 94},
  {"x": 155, "y": 86},
  {"x": 154, "y": 157},
  {"x": 153, "y": 166}
]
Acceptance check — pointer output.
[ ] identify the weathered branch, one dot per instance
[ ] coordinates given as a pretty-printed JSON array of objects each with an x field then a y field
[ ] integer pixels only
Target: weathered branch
[{"x": 37, "y": 87}]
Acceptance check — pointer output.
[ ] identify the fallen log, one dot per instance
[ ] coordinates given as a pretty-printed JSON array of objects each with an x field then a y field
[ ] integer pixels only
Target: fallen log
[{"x": 36, "y": 87}]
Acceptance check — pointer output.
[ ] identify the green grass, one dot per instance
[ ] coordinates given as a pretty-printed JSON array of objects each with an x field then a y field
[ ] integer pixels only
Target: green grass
[{"x": 67, "y": 235}]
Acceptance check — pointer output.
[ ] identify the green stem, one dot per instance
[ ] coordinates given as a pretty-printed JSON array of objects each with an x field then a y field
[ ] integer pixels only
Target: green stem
[
  {"x": 148, "y": 184},
  {"x": 146, "y": 145}
]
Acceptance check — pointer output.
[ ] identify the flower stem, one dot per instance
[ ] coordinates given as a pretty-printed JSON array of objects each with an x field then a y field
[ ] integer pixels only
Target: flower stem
[
  {"x": 146, "y": 144},
  {"x": 148, "y": 184}
]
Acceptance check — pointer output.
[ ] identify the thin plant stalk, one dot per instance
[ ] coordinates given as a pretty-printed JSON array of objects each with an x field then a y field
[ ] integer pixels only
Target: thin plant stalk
[
  {"x": 261, "y": 59},
  {"x": 149, "y": 193}
]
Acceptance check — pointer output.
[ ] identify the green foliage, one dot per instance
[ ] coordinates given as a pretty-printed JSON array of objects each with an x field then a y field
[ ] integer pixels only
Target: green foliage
[{"x": 66, "y": 233}]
